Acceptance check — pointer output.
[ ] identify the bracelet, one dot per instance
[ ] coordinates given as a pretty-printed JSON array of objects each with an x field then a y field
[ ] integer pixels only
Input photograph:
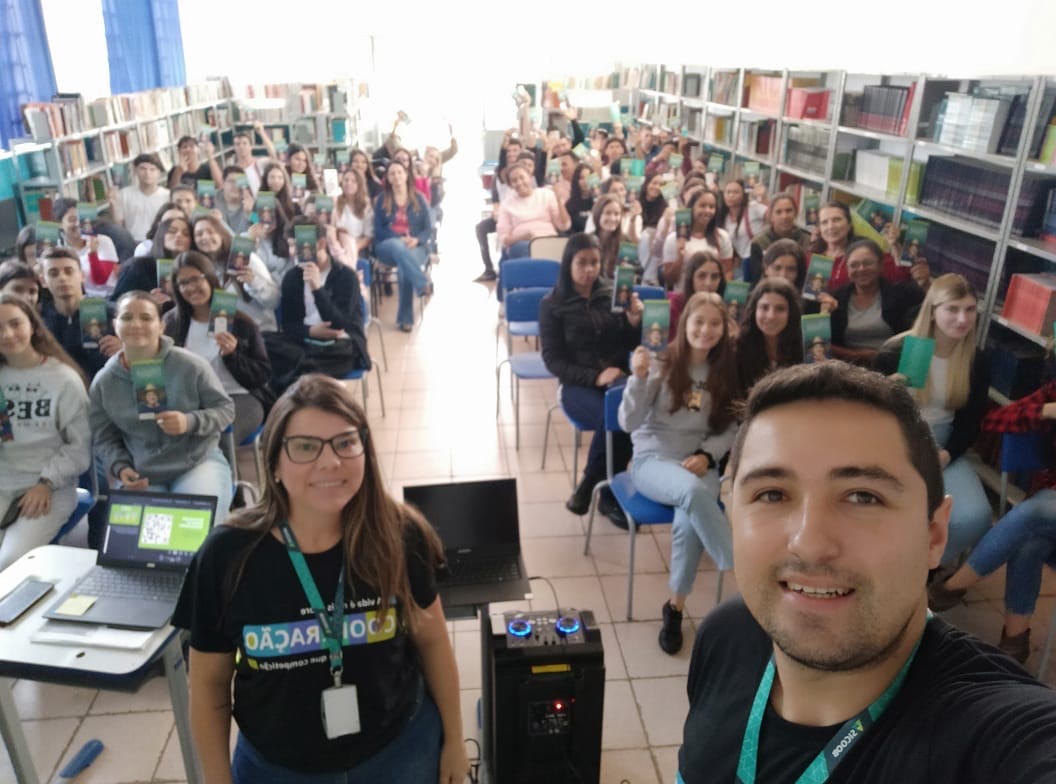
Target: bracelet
[{"x": 47, "y": 483}]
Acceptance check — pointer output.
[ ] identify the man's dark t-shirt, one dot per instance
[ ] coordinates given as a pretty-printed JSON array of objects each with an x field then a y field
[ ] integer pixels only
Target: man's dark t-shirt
[
  {"x": 966, "y": 713},
  {"x": 203, "y": 172}
]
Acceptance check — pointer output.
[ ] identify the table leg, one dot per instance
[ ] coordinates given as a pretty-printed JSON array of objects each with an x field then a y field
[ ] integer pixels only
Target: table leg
[
  {"x": 176, "y": 674},
  {"x": 14, "y": 739}
]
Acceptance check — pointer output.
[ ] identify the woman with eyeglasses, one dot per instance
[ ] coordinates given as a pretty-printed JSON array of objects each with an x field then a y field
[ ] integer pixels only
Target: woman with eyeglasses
[
  {"x": 234, "y": 347},
  {"x": 167, "y": 438},
  {"x": 353, "y": 683}
]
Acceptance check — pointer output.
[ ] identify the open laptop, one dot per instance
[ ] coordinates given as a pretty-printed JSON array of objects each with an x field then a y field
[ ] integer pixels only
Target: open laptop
[
  {"x": 478, "y": 524},
  {"x": 149, "y": 542}
]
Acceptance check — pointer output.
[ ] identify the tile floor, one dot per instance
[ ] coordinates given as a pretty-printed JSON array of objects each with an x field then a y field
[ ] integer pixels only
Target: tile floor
[{"x": 440, "y": 425}]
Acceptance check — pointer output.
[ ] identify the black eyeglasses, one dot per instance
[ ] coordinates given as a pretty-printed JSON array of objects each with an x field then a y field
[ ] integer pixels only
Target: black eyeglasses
[
  {"x": 190, "y": 280},
  {"x": 306, "y": 449}
]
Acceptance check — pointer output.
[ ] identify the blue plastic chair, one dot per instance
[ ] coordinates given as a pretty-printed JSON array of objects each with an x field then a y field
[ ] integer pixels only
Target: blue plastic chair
[
  {"x": 85, "y": 502},
  {"x": 638, "y": 509},
  {"x": 369, "y": 319},
  {"x": 1025, "y": 453},
  {"x": 649, "y": 292},
  {"x": 578, "y": 429},
  {"x": 524, "y": 274},
  {"x": 521, "y": 305}
]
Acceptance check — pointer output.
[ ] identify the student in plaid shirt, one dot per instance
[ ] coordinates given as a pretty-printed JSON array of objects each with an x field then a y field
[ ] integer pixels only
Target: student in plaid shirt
[{"x": 1025, "y": 538}]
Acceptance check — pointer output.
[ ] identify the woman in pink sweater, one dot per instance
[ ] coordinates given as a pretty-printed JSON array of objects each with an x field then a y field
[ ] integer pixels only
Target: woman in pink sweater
[{"x": 528, "y": 212}]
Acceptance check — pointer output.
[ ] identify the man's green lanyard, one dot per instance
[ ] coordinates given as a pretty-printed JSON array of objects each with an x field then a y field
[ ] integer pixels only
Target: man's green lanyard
[
  {"x": 835, "y": 750},
  {"x": 332, "y": 624}
]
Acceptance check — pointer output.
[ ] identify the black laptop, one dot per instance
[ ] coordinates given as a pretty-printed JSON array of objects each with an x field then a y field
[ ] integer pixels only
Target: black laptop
[
  {"x": 478, "y": 524},
  {"x": 149, "y": 542}
]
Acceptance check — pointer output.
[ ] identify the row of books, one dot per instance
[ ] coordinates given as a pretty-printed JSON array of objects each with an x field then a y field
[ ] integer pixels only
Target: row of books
[
  {"x": 949, "y": 250},
  {"x": 882, "y": 171},
  {"x": 807, "y": 148},
  {"x": 724, "y": 88},
  {"x": 756, "y": 137},
  {"x": 972, "y": 123},
  {"x": 121, "y": 144},
  {"x": 718, "y": 129},
  {"x": 879, "y": 107}
]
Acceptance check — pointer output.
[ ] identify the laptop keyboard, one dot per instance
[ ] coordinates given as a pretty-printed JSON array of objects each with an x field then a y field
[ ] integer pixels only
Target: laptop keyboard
[
  {"x": 483, "y": 572},
  {"x": 143, "y": 584}
]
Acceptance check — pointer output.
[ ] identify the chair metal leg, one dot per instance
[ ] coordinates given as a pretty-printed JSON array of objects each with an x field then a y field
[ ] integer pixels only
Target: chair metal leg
[
  {"x": 1047, "y": 648},
  {"x": 516, "y": 388},
  {"x": 365, "y": 390},
  {"x": 593, "y": 508},
  {"x": 381, "y": 392},
  {"x": 498, "y": 383},
  {"x": 631, "y": 526},
  {"x": 718, "y": 591},
  {"x": 376, "y": 323},
  {"x": 1002, "y": 503},
  {"x": 546, "y": 433},
  {"x": 577, "y": 436}
]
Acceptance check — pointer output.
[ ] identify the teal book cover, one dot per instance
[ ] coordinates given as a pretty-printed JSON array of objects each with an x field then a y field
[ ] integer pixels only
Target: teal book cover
[
  {"x": 207, "y": 194},
  {"x": 622, "y": 288},
  {"x": 915, "y": 361},
  {"x": 304, "y": 238},
  {"x": 817, "y": 337},
  {"x": 47, "y": 234},
  {"x": 148, "y": 381},
  {"x": 163, "y": 271},
  {"x": 94, "y": 321},
  {"x": 656, "y": 324},
  {"x": 238, "y": 259},
  {"x": 818, "y": 274},
  {"x": 628, "y": 253},
  {"x": 221, "y": 311},
  {"x": 264, "y": 208}
]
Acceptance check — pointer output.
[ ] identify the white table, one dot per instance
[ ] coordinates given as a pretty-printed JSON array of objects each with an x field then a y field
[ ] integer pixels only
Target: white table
[{"x": 72, "y": 665}]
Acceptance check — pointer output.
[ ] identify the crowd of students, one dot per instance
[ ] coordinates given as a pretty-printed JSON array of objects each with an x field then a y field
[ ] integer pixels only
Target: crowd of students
[{"x": 680, "y": 408}]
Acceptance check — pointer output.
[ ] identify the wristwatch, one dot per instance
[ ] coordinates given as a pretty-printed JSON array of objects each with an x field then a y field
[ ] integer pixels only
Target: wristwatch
[{"x": 47, "y": 483}]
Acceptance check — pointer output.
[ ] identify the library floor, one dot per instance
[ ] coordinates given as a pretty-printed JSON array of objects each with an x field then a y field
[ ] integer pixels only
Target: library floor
[{"x": 440, "y": 426}]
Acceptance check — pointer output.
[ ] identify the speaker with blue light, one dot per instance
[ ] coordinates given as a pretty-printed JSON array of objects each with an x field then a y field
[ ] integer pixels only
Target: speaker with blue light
[{"x": 542, "y": 697}]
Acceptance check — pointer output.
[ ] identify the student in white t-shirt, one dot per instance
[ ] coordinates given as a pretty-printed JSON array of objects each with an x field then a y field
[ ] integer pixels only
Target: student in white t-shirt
[
  {"x": 704, "y": 234},
  {"x": 99, "y": 261},
  {"x": 135, "y": 206},
  {"x": 244, "y": 158}
]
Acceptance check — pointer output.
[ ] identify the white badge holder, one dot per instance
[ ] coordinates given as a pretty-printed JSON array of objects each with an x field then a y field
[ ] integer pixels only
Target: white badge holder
[{"x": 340, "y": 708}]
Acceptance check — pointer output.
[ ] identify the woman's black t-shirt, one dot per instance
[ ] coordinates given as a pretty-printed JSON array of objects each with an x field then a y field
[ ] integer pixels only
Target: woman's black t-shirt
[{"x": 281, "y": 665}]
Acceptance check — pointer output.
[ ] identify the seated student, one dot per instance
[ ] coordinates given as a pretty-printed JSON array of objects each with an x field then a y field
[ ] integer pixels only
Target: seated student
[
  {"x": 783, "y": 212},
  {"x": 325, "y": 496},
  {"x": 167, "y": 211},
  {"x": 580, "y": 201},
  {"x": 322, "y": 315},
  {"x": 704, "y": 234},
  {"x": 771, "y": 334},
  {"x": 235, "y": 206},
  {"x": 273, "y": 246},
  {"x": 19, "y": 280},
  {"x": 608, "y": 217},
  {"x": 611, "y": 157},
  {"x": 298, "y": 162},
  {"x": 838, "y": 515},
  {"x": 631, "y": 220},
  {"x": 46, "y": 439},
  {"x": 836, "y": 235},
  {"x": 178, "y": 449},
  {"x": 402, "y": 228},
  {"x": 99, "y": 260},
  {"x": 361, "y": 163},
  {"x": 869, "y": 309},
  {"x": 185, "y": 197},
  {"x": 172, "y": 238},
  {"x": 586, "y": 346},
  {"x": 679, "y": 415},
  {"x": 654, "y": 207},
  {"x": 277, "y": 181},
  {"x": 528, "y": 212},
  {"x": 237, "y": 354},
  {"x": 353, "y": 215},
  {"x": 702, "y": 272},
  {"x": 135, "y": 205},
  {"x": 189, "y": 167},
  {"x": 509, "y": 154},
  {"x": 1024, "y": 539},
  {"x": 258, "y": 294},
  {"x": 953, "y": 401},
  {"x": 743, "y": 220},
  {"x": 659, "y": 164},
  {"x": 244, "y": 158}
]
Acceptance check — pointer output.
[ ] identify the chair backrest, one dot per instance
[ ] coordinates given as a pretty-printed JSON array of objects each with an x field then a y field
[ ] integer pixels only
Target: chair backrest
[
  {"x": 1023, "y": 452},
  {"x": 523, "y": 304},
  {"x": 613, "y": 398},
  {"x": 363, "y": 267},
  {"x": 548, "y": 247},
  {"x": 529, "y": 273},
  {"x": 649, "y": 292}
]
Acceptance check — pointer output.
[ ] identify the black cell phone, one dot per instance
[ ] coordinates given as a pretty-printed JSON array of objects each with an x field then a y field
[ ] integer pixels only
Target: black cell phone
[
  {"x": 25, "y": 595},
  {"x": 11, "y": 514}
]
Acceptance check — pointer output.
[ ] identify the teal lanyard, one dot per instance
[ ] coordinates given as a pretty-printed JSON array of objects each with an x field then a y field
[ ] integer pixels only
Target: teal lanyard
[
  {"x": 332, "y": 623},
  {"x": 835, "y": 750}
]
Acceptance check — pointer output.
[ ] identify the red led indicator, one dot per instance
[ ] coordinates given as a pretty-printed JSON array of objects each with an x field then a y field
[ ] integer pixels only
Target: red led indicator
[{"x": 558, "y": 705}]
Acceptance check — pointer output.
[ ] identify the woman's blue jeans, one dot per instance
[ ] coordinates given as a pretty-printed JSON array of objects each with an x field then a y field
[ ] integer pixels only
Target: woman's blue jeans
[
  {"x": 699, "y": 523},
  {"x": 1025, "y": 538},
  {"x": 971, "y": 517},
  {"x": 409, "y": 263},
  {"x": 412, "y": 757}
]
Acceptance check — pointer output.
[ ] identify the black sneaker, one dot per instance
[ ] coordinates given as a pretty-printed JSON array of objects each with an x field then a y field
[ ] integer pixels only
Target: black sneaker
[
  {"x": 671, "y": 631},
  {"x": 579, "y": 502},
  {"x": 487, "y": 276},
  {"x": 609, "y": 507}
]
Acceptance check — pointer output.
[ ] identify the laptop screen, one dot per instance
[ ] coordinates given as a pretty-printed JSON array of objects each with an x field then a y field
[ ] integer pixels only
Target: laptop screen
[
  {"x": 471, "y": 515},
  {"x": 155, "y": 529}
]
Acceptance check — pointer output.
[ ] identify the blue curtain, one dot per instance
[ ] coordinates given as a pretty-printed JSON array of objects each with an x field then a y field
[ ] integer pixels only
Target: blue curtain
[
  {"x": 144, "y": 44},
  {"x": 25, "y": 64}
]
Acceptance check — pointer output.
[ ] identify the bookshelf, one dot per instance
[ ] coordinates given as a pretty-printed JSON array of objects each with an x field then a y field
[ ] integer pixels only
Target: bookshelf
[{"x": 973, "y": 158}]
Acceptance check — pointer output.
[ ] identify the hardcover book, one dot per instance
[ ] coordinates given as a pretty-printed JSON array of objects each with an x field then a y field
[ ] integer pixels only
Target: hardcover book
[{"x": 148, "y": 380}]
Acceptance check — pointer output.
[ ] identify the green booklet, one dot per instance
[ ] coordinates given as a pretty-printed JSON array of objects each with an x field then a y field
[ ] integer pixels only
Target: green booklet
[
  {"x": 238, "y": 259},
  {"x": 148, "y": 380},
  {"x": 163, "y": 270},
  {"x": 299, "y": 185},
  {"x": 683, "y": 222},
  {"x": 7, "y": 433},
  {"x": 553, "y": 170},
  {"x": 87, "y": 213},
  {"x": 669, "y": 190},
  {"x": 221, "y": 311},
  {"x": 622, "y": 287},
  {"x": 716, "y": 162},
  {"x": 811, "y": 206},
  {"x": 581, "y": 151},
  {"x": 207, "y": 193},
  {"x": 656, "y": 324},
  {"x": 632, "y": 167},
  {"x": 817, "y": 337},
  {"x": 735, "y": 295},
  {"x": 304, "y": 238},
  {"x": 94, "y": 320},
  {"x": 913, "y": 241},
  {"x": 47, "y": 235},
  {"x": 634, "y": 186},
  {"x": 594, "y": 183},
  {"x": 324, "y": 208},
  {"x": 242, "y": 181},
  {"x": 628, "y": 253},
  {"x": 319, "y": 159},
  {"x": 343, "y": 159},
  {"x": 818, "y": 274},
  {"x": 264, "y": 208},
  {"x": 915, "y": 361},
  {"x": 674, "y": 161}
]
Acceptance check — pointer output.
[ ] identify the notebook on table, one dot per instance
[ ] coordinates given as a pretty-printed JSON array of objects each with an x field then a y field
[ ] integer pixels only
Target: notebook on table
[
  {"x": 149, "y": 541},
  {"x": 480, "y": 530}
]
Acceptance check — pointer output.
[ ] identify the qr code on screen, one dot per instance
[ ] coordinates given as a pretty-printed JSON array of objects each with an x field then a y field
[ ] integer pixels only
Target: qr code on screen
[{"x": 157, "y": 529}]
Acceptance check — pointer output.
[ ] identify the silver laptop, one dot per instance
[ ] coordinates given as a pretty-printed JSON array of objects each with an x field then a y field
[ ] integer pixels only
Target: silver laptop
[{"x": 150, "y": 540}]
